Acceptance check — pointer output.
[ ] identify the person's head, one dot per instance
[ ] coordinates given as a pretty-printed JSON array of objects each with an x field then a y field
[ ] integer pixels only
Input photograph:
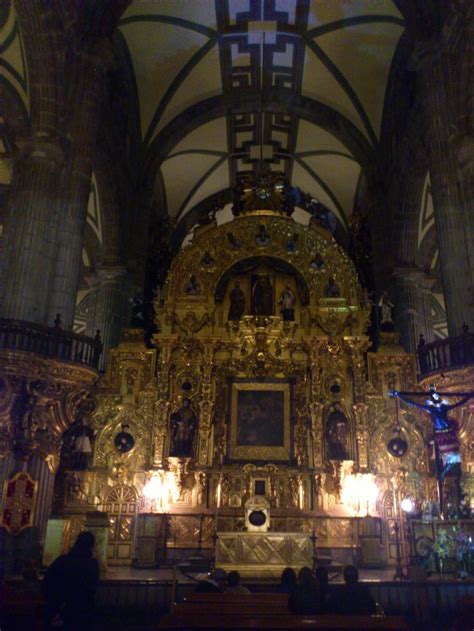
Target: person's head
[
  {"x": 218, "y": 576},
  {"x": 237, "y": 284},
  {"x": 306, "y": 577},
  {"x": 322, "y": 575},
  {"x": 351, "y": 575},
  {"x": 233, "y": 578},
  {"x": 288, "y": 577},
  {"x": 84, "y": 544}
]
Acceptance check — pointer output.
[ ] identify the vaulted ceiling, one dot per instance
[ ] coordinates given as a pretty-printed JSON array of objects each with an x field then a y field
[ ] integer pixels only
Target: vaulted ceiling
[{"x": 221, "y": 84}]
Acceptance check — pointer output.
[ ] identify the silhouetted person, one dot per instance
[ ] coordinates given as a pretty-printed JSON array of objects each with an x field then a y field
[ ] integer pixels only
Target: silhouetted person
[
  {"x": 322, "y": 579},
  {"x": 288, "y": 581},
  {"x": 233, "y": 584},
  {"x": 305, "y": 598},
  {"x": 69, "y": 586},
  {"x": 214, "y": 583},
  {"x": 352, "y": 599}
]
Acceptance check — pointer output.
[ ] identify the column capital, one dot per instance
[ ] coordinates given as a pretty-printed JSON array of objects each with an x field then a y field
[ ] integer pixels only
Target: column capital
[
  {"x": 110, "y": 273},
  {"x": 410, "y": 275},
  {"x": 41, "y": 146}
]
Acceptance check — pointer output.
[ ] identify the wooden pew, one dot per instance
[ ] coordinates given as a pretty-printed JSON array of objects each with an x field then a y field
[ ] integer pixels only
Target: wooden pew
[
  {"x": 201, "y": 621},
  {"x": 262, "y": 611}
]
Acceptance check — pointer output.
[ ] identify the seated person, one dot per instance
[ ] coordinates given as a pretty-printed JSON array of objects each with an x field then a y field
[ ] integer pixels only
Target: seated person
[
  {"x": 352, "y": 599},
  {"x": 214, "y": 583},
  {"x": 233, "y": 584},
  {"x": 287, "y": 581},
  {"x": 305, "y": 598},
  {"x": 322, "y": 578}
]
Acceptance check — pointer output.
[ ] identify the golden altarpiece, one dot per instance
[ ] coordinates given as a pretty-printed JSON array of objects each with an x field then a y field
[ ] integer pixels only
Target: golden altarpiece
[{"x": 259, "y": 385}]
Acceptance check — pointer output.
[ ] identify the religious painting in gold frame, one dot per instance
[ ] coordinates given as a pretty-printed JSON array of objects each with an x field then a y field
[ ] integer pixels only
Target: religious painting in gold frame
[{"x": 260, "y": 421}]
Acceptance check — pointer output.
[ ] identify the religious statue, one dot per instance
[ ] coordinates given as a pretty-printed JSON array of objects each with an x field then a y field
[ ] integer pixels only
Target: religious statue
[
  {"x": 138, "y": 312},
  {"x": 287, "y": 301},
  {"x": 82, "y": 448},
  {"x": 192, "y": 287},
  {"x": 234, "y": 244},
  {"x": 446, "y": 441},
  {"x": 332, "y": 290},
  {"x": 317, "y": 263},
  {"x": 183, "y": 429},
  {"x": 262, "y": 295},
  {"x": 207, "y": 260},
  {"x": 386, "y": 310},
  {"x": 262, "y": 238},
  {"x": 237, "y": 303},
  {"x": 337, "y": 434},
  {"x": 292, "y": 244}
]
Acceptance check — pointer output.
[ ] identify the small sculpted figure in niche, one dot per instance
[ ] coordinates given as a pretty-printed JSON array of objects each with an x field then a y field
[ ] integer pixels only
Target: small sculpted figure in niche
[
  {"x": 234, "y": 244},
  {"x": 192, "y": 287},
  {"x": 262, "y": 295},
  {"x": 317, "y": 263},
  {"x": 82, "y": 446},
  {"x": 262, "y": 238},
  {"x": 332, "y": 290},
  {"x": 237, "y": 303},
  {"x": 337, "y": 436},
  {"x": 137, "y": 319},
  {"x": 183, "y": 428},
  {"x": 207, "y": 260},
  {"x": 386, "y": 310},
  {"x": 292, "y": 244},
  {"x": 287, "y": 303}
]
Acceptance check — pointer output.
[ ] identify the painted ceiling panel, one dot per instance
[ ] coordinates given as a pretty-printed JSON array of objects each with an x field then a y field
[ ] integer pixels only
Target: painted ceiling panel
[
  {"x": 203, "y": 82},
  {"x": 333, "y": 10},
  {"x": 313, "y": 138},
  {"x": 308, "y": 184},
  {"x": 199, "y": 11},
  {"x": 159, "y": 52},
  {"x": 366, "y": 68},
  {"x": 217, "y": 180},
  {"x": 340, "y": 175},
  {"x": 13, "y": 67},
  {"x": 211, "y": 136},
  {"x": 319, "y": 84},
  {"x": 180, "y": 174}
]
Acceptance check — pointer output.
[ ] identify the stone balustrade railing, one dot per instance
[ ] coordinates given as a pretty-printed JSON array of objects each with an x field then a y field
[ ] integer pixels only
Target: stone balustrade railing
[{"x": 54, "y": 342}]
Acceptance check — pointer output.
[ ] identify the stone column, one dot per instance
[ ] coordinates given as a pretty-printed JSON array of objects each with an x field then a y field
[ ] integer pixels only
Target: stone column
[
  {"x": 452, "y": 207},
  {"x": 110, "y": 307},
  {"x": 88, "y": 76},
  {"x": 413, "y": 306},
  {"x": 30, "y": 250}
]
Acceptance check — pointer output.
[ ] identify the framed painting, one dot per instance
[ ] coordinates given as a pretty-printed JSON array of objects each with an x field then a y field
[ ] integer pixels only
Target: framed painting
[{"x": 260, "y": 421}]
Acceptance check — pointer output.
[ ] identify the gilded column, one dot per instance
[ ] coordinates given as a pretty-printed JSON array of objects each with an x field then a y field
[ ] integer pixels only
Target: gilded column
[
  {"x": 162, "y": 405},
  {"x": 206, "y": 405},
  {"x": 315, "y": 406},
  {"x": 362, "y": 435}
]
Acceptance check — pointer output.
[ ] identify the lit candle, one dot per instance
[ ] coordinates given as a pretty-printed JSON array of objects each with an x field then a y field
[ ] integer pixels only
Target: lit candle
[{"x": 315, "y": 501}]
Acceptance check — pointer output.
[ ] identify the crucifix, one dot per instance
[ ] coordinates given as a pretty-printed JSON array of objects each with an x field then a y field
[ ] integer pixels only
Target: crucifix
[{"x": 447, "y": 455}]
